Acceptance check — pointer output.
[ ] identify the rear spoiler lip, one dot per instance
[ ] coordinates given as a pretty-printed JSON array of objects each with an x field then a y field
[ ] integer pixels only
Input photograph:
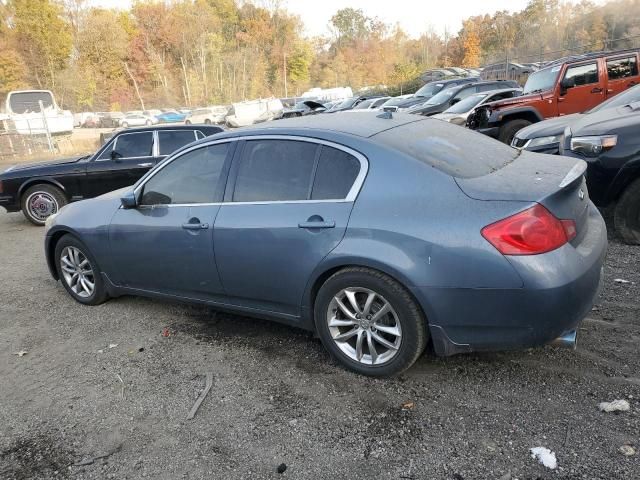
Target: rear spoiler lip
[{"x": 577, "y": 171}]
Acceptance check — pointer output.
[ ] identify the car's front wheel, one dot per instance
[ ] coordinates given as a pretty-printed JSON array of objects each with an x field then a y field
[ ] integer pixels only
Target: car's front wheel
[
  {"x": 369, "y": 322},
  {"x": 509, "y": 130},
  {"x": 78, "y": 271},
  {"x": 627, "y": 214},
  {"x": 41, "y": 201}
]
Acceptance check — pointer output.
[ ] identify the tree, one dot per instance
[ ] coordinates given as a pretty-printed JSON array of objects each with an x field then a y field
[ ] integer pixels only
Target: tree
[
  {"x": 12, "y": 72},
  {"x": 404, "y": 72},
  {"x": 43, "y": 38},
  {"x": 470, "y": 46}
]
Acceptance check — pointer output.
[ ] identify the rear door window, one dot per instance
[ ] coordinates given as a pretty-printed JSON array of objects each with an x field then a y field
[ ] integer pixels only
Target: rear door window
[
  {"x": 618, "y": 68},
  {"x": 275, "y": 170},
  {"x": 172, "y": 140},
  {"x": 336, "y": 173}
]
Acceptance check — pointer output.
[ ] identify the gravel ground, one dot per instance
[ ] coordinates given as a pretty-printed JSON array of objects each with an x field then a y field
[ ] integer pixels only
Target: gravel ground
[{"x": 102, "y": 393}]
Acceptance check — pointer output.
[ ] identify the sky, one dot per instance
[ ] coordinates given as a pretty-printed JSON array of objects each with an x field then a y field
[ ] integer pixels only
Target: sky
[{"x": 414, "y": 16}]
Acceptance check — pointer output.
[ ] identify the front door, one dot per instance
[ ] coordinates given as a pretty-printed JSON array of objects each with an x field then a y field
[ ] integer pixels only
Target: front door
[
  {"x": 127, "y": 158},
  {"x": 587, "y": 92},
  {"x": 166, "y": 244},
  {"x": 622, "y": 73},
  {"x": 288, "y": 208}
]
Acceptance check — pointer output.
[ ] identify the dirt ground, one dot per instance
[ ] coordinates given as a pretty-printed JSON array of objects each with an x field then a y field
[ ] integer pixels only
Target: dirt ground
[{"x": 101, "y": 393}]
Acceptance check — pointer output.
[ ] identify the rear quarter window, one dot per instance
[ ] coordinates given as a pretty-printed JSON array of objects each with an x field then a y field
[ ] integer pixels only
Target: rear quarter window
[{"x": 456, "y": 151}]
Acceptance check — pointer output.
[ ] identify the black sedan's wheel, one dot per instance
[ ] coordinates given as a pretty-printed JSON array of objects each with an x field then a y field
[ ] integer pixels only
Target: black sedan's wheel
[
  {"x": 79, "y": 272},
  {"x": 627, "y": 214},
  {"x": 41, "y": 201},
  {"x": 369, "y": 322}
]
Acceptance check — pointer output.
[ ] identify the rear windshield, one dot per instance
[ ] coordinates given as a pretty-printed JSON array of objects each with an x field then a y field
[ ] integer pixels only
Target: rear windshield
[{"x": 456, "y": 151}]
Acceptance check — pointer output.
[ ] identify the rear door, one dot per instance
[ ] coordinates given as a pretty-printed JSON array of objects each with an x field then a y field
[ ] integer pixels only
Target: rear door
[
  {"x": 134, "y": 156},
  {"x": 589, "y": 89},
  {"x": 171, "y": 140},
  {"x": 622, "y": 73},
  {"x": 288, "y": 204}
]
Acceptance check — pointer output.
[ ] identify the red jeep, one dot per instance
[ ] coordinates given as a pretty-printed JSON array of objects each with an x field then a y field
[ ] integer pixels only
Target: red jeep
[{"x": 568, "y": 85}]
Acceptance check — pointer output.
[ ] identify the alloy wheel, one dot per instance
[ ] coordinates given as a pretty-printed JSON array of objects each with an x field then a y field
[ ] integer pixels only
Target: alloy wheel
[
  {"x": 364, "y": 326},
  {"x": 77, "y": 272}
]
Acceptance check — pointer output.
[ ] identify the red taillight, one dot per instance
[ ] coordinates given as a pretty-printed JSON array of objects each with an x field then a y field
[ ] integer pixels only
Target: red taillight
[{"x": 534, "y": 231}]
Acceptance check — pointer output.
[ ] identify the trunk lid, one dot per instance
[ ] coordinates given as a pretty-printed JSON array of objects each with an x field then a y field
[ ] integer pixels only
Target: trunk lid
[{"x": 553, "y": 181}]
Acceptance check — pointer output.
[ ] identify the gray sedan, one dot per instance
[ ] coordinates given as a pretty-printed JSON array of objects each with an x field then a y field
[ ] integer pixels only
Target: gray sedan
[{"x": 382, "y": 233}]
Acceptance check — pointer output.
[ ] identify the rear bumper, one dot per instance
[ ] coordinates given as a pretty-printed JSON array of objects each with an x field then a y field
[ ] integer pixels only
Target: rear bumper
[{"x": 560, "y": 288}]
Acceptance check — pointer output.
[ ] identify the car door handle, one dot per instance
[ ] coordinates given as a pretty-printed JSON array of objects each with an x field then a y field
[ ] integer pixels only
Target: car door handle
[
  {"x": 145, "y": 165},
  {"x": 195, "y": 226},
  {"x": 596, "y": 90},
  {"x": 317, "y": 224}
]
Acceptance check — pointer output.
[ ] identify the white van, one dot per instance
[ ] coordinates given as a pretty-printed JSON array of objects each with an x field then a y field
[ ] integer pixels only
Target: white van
[{"x": 35, "y": 111}]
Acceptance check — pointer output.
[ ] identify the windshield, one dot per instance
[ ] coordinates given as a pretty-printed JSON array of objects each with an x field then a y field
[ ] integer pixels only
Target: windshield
[
  {"x": 429, "y": 89},
  {"x": 463, "y": 106},
  {"x": 442, "y": 97},
  {"x": 348, "y": 103},
  {"x": 392, "y": 102},
  {"x": 541, "y": 80},
  {"x": 25, "y": 102},
  {"x": 624, "y": 98},
  {"x": 363, "y": 105}
]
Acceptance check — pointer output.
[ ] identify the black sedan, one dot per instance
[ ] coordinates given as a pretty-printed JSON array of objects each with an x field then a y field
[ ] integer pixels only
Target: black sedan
[
  {"x": 41, "y": 189},
  {"x": 545, "y": 136},
  {"x": 608, "y": 141}
]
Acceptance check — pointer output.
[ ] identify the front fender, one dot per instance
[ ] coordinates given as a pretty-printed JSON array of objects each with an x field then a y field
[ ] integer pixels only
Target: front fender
[
  {"x": 38, "y": 180},
  {"x": 500, "y": 116}
]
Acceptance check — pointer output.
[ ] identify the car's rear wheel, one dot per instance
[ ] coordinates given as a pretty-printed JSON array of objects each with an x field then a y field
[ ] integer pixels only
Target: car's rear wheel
[
  {"x": 509, "y": 130},
  {"x": 41, "y": 201},
  {"x": 627, "y": 214},
  {"x": 78, "y": 271},
  {"x": 369, "y": 322}
]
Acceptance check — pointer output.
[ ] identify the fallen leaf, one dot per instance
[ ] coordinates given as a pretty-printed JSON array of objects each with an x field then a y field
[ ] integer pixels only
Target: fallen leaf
[
  {"x": 408, "y": 405},
  {"x": 21, "y": 353},
  {"x": 113, "y": 345},
  {"x": 165, "y": 332},
  {"x": 627, "y": 450}
]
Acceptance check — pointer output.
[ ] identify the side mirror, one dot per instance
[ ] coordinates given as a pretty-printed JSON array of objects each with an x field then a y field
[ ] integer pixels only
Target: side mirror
[
  {"x": 115, "y": 156},
  {"x": 568, "y": 83},
  {"x": 129, "y": 200}
]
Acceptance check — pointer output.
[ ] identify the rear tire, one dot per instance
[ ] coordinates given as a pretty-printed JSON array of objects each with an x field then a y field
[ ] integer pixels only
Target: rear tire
[
  {"x": 509, "y": 130},
  {"x": 390, "y": 321},
  {"x": 79, "y": 272},
  {"x": 627, "y": 214},
  {"x": 41, "y": 201}
]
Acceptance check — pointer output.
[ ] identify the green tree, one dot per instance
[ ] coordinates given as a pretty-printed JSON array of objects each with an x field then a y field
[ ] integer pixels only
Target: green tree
[{"x": 43, "y": 38}]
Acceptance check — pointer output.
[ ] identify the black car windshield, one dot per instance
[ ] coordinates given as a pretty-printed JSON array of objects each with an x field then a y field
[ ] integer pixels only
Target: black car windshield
[
  {"x": 542, "y": 80},
  {"x": 442, "y": 97},
  {"x": 625, "y": 98},
  {"x": 392, "y": 102},
  {"x": 429, "y": 90},
  {"x": 463, "y": 106},
  {"x": 363, "y": 105},
  {"x": 348, "y": 103}
]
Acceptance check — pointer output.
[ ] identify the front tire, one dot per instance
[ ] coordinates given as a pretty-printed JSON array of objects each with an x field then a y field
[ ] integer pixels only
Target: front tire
[
  {"x": 79, "y": 272},
  {"x": 509, "y": 130},
  {"x": 627, "y": 214},
  {"x": 41, "y": 201},
  {"x": 369, "y": 322}
]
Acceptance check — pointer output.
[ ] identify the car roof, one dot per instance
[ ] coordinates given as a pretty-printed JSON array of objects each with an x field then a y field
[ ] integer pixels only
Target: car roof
[
  {"x": 351, "y": 123},
  {"x": 164, "y": 127}
]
